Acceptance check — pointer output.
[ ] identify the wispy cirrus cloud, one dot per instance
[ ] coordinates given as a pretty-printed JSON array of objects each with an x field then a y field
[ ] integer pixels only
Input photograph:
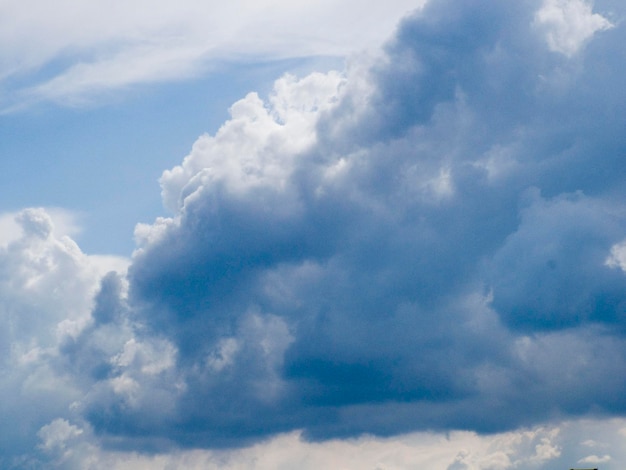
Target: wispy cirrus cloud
[{"x": 73, "y": 53}]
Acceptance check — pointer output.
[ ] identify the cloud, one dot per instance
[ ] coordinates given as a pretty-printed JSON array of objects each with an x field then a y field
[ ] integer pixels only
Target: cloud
[
  {"x": 57, "y": 433},
  {"x": 64, "y": 223},
  {"x": 69, "y": 446},
  {"x": 617, "y": 258},
  {"x": 46, "y": 290},
  {"x": 428, "y": 241},
  {"x": 594, "y": 459},
  {"x": 74, "y": 54},
  {"x": 420, "y": 242},
  {"x": 569, "y": 24}
]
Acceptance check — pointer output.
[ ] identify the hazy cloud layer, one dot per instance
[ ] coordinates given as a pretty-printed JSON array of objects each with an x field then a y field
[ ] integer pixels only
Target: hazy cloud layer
[{"x": 433, "y": 239}]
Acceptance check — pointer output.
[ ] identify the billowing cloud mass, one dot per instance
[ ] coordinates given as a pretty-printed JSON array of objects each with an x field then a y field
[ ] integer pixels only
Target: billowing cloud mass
[{"x": 432, "y": 240}]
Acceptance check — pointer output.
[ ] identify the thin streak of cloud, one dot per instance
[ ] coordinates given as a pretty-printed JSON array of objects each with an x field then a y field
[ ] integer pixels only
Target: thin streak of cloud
[{"x": 106, "y": 46}]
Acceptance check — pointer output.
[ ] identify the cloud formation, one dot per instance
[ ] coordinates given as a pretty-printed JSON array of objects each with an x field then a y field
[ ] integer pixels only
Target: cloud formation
[
  {"x": 431, "y": 240},
  {"x": 74, "y": 54},
  {"x": 46, "y": 290},
  {"x": 428, "y": 241}
]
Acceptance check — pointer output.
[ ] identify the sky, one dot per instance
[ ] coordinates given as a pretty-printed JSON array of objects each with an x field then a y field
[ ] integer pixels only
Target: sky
[{"x": 340, "y": 234}]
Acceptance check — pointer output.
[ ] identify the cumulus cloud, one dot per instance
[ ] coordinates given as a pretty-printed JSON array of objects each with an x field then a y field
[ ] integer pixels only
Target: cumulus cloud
[
  {"x": 429, "y": 240},
  {"x": 426, "y": 240},
  {"x": 46, "y": 290}
]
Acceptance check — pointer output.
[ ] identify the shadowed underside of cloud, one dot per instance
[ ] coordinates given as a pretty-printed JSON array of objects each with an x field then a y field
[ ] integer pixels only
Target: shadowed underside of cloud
[
  {"x": 430, "y": 240},
  {"x": 419, "y": 243}
]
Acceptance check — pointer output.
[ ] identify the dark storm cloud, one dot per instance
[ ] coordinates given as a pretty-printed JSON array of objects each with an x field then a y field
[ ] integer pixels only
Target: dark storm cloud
[{"x": 421, "y": 245}]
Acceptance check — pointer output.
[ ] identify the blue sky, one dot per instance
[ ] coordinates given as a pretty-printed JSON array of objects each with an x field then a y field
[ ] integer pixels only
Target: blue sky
[{"x": 337, "y": 235}]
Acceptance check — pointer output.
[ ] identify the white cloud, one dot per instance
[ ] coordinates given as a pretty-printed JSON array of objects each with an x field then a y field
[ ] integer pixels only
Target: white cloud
[
  {"x": 569, "y": 24},
  {"x": 617, "y": 257},
  {"x": 453, "y": 451},
  {"x": 72, "y": 52},
  {"x": 10, "y": 230},
  {"x": 64, "y": 223},
  {"x": 43, "y": 271},
  {"x": 139, "y": 64},
  {"x": 594, "y": 459},
  {"x": 57, "y": 434},
  {"x": 46, "y": 296},
  {"x": 256, "y": 148}
]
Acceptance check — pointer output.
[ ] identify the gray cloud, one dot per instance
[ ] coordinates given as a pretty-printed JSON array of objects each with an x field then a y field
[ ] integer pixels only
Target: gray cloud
[
  {"x": 419, "y": 244},
  {"x": 431, "y": 240}
]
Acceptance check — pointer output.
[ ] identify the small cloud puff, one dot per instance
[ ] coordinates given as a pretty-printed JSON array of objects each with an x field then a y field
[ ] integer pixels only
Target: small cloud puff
[
  {"x": 594, "y": 459},
  {"x": 569, "y": 24}
]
